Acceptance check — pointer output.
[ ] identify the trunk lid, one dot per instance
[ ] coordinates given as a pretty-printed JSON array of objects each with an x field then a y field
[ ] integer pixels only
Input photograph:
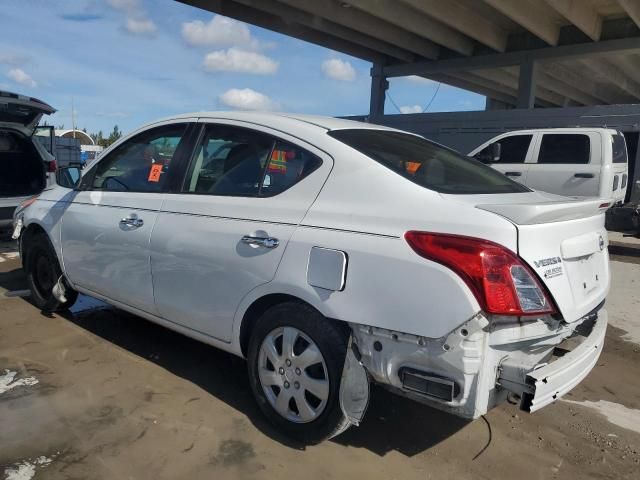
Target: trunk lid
[
  {"x": 20, "y": 110},
  {"x": 564, "y": 241}
]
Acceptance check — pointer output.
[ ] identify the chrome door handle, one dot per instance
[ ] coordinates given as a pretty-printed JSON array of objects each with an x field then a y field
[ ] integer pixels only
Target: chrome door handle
[
  {"x": 267, "y": 242},
  {"x": 132, "y": 221}
]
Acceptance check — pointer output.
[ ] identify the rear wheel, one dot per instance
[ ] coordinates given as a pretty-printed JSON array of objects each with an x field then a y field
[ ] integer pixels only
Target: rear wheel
[
  {"x": 295, "y": 359},
  {"x": 43, "y": 272}
]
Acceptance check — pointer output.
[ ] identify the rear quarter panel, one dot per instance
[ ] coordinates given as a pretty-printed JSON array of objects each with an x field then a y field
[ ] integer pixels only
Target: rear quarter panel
[{"x": 364, "y": 210}]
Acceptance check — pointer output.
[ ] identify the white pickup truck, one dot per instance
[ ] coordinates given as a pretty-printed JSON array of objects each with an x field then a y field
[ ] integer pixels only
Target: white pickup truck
[{"x": 575, "y": 162}]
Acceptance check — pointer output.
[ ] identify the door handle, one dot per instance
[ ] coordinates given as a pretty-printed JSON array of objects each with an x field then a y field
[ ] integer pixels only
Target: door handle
[
  {"x": 513, "y": 174},
  {"x": 583, "y": 175},
  {"x": 267, "y": 242},
  {"x": 132, "y": 221}
]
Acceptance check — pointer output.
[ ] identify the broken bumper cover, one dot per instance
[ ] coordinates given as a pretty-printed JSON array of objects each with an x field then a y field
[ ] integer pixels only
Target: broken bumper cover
[{"x": 548, "y": 383}]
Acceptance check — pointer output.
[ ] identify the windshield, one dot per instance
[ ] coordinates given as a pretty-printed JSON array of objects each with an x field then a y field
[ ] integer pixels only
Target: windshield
[{"x": 427, "y": 164}]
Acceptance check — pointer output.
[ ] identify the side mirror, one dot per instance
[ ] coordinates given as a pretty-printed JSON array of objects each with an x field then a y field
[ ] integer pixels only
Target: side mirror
[
  {"x": 496, "y": 151},
  {"x": 68, "y": 177}
]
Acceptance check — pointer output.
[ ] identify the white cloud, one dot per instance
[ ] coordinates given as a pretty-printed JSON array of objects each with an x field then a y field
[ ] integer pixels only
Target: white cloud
[
  {"x": 219, "y": 32},
  {"x": 136, "y": 20},
  {"x": 338, "y": 70},
  {"x": 139, "y": 26},
  {"x": 12, "y": 59},
  {"x": 126, "y": 5},
  {"x": 247, "y": 99},
  {"x": 20, "y": 76},
  {"x": 238, "y": 60},
  {"x": 411, "y": 109}
]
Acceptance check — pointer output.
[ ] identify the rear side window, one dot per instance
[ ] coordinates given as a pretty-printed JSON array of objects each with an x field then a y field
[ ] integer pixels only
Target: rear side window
[
  {"x": 427, "y": 164},
  {"x": 560, "y": 148},
  {"x": 240, "y": 162},
  {"x": 619, "y": 147},
  {"x": 513, "y": 149}
]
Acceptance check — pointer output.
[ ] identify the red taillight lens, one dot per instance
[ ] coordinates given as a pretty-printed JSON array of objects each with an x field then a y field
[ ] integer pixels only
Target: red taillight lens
[
  {"x": 500, "y": 281},
  {"x": 53, "y": 166}
]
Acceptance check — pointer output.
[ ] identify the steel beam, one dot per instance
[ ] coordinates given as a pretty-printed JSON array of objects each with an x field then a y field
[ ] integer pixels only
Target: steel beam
[
  {"x": 428, "y": 68},
  {"x": 510, "y": 79}
]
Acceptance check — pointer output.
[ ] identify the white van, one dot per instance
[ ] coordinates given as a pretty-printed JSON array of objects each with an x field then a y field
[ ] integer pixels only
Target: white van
[{"x": 575, "y": 162}]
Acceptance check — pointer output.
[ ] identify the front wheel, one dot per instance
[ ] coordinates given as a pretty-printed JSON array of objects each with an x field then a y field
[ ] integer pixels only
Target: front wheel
[
  {"x": 43, "y": 271},
  {"x": 296, "y": 357}
]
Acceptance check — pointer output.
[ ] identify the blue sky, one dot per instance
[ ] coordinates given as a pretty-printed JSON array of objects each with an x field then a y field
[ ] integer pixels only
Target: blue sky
[{"x": 128, "y": 62}]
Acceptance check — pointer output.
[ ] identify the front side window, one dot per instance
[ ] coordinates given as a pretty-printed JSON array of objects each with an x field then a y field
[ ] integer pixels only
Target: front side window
[
  {"x": 240, "y": 162},
  {"x": 561, "y": 148},
  {"x": 140, "y": 164},
  {"x": 512, "y": 149},
  {"x": 427, "y": 164}
]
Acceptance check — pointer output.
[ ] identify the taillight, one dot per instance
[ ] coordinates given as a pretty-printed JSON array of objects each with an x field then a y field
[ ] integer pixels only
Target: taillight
[
  {"x": 53, "y": 166},
  {"x": 500, "y": 281}
]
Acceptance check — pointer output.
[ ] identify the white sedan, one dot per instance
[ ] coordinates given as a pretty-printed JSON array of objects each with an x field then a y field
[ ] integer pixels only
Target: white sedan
[{"x": 331, "y": 254}]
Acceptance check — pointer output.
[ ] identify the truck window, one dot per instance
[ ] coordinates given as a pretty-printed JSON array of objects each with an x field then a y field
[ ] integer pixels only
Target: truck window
[
  {"x": 619, "y": 147},
  {"x": 562, "y": 148},
  {"x": 513, "y": 149}
]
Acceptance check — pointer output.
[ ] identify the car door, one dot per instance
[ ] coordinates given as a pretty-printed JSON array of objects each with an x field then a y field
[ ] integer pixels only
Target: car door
[
  {"x": 244, "y": 193},
  {"x": 106, "y": 228},
  {"x": 567, "y": 163},
  {"x": 512, "y": 157}
]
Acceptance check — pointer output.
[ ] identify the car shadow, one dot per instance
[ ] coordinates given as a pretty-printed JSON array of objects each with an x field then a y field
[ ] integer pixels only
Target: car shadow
[{"x": 391, "y": 423}]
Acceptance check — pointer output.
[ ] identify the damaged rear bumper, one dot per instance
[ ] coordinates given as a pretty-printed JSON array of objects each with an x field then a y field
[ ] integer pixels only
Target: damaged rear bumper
[
  {"x": 548, "y": 383},
  {"x": 479, "y": 364},
  {"x": 539, "y": 385}
]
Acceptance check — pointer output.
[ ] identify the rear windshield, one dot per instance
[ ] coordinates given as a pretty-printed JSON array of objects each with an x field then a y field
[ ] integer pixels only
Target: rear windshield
[
  {"x": 427, "y": 164},
  {"x": 619, "y": 149}
]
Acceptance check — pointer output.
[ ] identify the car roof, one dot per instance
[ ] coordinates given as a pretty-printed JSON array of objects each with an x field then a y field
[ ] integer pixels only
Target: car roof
[
  {"x": 564, "y": 129},
  {"x": 283, "y": 120}
]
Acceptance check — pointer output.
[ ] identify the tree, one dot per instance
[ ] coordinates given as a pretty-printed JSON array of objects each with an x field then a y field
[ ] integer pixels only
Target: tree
[
  {"x": 98, "y": 139},
  {"x": 114, "y": 135}
]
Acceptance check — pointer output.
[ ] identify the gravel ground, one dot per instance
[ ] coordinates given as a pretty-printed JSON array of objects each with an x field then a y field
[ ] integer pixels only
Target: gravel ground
[{"x": 99, "y": 393}]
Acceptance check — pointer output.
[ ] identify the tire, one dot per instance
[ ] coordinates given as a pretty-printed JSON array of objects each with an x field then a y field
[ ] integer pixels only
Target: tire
[
  {"x": 43, "y": 271},
  {"x": 319, "y": 369}
]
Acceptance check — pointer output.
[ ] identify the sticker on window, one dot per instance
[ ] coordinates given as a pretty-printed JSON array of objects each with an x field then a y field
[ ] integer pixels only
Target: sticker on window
[
  {"x": 412, "y": 167},
  {"x": 155, "y": 172},
  {"x": 278, "y": 162}
]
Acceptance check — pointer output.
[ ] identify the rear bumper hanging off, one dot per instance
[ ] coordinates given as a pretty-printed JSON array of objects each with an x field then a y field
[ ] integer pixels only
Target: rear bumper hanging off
[{"x": 548, "y": 383}]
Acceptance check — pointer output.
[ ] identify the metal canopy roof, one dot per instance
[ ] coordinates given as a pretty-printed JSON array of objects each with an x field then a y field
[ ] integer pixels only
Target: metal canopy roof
[{"x": 572, "y": 52}]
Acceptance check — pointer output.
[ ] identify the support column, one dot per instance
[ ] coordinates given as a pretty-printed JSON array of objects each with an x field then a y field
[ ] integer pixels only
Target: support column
[
  {"x": 379, "y": 86},
  {"x": 527, "y": 83}
]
